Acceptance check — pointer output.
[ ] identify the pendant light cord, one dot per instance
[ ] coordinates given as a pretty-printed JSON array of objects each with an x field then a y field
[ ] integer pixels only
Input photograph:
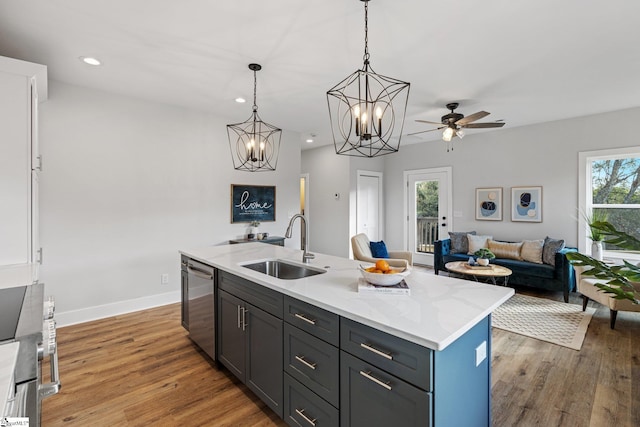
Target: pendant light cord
[
  {"x": 366, "y": 33},
  {"x": 255, "y": 89}
]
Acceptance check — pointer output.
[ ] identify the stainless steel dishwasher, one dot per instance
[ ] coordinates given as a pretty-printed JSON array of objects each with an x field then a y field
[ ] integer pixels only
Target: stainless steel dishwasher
[{"x": 201, "y": 310}]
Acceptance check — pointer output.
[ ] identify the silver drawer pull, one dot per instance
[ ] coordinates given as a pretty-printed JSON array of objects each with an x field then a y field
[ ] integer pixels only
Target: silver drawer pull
[
  {"x": 307, "y": 419},
  {"x": 384, "y": 354},
  {"x": 306, "y": 319},
  {"x": 368, "y": 376},
  {"x": 301, "y": 359}
]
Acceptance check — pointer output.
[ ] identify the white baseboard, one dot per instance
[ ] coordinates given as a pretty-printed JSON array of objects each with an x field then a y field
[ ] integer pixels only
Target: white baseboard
[{"x": 67, "y": 318}]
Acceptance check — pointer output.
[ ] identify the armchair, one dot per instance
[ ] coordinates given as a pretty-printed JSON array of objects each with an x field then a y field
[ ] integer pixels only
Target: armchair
[{"x": 362, "y": 251}]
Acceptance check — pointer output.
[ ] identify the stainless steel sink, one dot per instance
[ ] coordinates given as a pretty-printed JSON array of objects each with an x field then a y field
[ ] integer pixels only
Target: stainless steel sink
[{"x": 284, "y": 270}]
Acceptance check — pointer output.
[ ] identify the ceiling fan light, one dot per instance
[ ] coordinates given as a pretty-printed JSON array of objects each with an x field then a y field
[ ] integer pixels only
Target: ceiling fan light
[
  {"x": 447, "y": 134},
  {"x": 460, "y": 133}
]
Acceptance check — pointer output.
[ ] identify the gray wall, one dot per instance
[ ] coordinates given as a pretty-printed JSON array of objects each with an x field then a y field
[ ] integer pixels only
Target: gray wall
[
  {"x": 539, "y": 155},
  {"x": 126, "y": 184}
]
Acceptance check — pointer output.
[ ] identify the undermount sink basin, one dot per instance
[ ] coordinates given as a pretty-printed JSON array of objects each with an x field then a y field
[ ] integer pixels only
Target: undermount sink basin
[{"x": 284, "y": 270}]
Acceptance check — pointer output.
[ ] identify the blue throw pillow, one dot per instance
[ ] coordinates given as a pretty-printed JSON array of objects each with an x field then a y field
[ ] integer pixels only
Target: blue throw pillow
[{"x": 379, "y": 249}]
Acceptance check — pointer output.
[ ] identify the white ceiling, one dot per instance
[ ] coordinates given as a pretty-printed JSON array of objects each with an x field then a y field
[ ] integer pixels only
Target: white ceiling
[{"x": 524, "y": 61}]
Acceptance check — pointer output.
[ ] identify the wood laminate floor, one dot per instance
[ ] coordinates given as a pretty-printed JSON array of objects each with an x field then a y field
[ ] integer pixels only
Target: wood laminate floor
[{"x": 141, "y": 369}]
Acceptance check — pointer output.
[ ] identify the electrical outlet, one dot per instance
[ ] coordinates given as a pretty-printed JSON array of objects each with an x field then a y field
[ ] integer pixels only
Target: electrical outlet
[
  {"x": 164, "y": 279},
  {"x": 481, "y": 353}
]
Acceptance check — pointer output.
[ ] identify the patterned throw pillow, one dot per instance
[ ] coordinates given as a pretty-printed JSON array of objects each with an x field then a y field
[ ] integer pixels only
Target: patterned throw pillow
[
  {"x": 477, "y": 242},
  {"x": 551, "y": 246},
  {"x": 379, "y": 249},
  {"x": 459, "y": 241},
  {"x": 505, "y": 250},
  {"x": 532, "y": 251}
]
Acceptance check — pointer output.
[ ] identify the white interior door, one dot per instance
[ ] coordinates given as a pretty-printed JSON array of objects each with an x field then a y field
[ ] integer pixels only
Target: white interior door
[
  {"x": 428, "y": 211},
  {"x": 369, "y": 204}
]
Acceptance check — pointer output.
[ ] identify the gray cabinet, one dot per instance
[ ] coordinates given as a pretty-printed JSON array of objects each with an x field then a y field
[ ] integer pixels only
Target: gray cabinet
[
  {"x": 250, "y": 337},
  {"x": 184, "y": 293}
]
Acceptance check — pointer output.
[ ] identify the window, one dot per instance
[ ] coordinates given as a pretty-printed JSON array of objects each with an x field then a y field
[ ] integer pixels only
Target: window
[{"x": 610, "y": 185}]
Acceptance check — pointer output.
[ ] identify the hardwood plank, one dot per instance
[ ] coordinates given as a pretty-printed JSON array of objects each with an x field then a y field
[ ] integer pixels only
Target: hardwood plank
[{"x": 141, "y": 369}]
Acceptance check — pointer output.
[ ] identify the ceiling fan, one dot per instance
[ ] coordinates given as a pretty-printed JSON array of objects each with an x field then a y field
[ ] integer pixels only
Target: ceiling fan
[{"x": 453, "y": 122}]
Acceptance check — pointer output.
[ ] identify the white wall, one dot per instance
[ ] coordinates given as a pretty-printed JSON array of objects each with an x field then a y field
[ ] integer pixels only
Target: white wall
[
  {"x": 329, "y": 218},
  {"x": 126, "y": 184},
  {"x": 539, "y": 155}
]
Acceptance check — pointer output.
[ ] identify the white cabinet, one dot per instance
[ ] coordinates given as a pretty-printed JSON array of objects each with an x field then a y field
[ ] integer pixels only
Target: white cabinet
[{"x": 22, "y": 85}]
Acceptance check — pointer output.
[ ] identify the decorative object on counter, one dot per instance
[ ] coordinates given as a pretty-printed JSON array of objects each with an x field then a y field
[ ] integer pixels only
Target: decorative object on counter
[
  {"x": 365, "y": 287},
  {"x": 254, "y": 144},
  {"x": 384, "y": 275},
  {"x": 253, "y": 203},
  {"x": 253, "y": 230},
  {"x": 483, "y": 256},
  {"x": 526, "y": 204},
  {"x": 489, "y": 204},
  {"x": 367, "y": 110}
]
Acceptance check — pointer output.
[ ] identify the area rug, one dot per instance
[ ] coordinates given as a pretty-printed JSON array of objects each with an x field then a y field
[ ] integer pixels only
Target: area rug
[{"x": 551, "y": 321}]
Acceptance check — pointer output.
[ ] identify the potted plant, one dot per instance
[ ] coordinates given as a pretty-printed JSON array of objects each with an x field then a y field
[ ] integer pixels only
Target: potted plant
[
  {"x": 596, "y": 234},
  {"x": 483, "y": 256}
]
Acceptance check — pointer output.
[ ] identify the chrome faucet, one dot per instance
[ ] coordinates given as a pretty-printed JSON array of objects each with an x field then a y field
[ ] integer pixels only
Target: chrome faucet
[{"x": 306, "y": 255}]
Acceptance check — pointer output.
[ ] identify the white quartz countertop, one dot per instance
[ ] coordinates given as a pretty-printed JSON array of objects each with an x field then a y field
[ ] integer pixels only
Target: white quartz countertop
[
  {"x": 438, "y": 311},
  {"x": 8, "y": 358}
]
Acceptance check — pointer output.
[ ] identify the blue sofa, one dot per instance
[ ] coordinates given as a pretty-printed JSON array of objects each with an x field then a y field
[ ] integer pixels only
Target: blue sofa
[{"x": 560, "y": 277}]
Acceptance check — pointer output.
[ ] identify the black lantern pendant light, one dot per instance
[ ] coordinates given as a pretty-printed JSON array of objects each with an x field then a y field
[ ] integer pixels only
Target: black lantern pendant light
[
  {"x": 367, "y": 109},
  {"x": 254, "y": 144}
]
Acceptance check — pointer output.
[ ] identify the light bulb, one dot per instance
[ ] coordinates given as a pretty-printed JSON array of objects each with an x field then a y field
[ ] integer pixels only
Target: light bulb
[
  {"x": 460, "y": 133},
  {"x": 379, "y": 113},
  {"x": 356, "y": 111},
  {"x": 364, "y": 118},
  {"x": 262, "y": 145},
  {"x": 447, "y": 134}
]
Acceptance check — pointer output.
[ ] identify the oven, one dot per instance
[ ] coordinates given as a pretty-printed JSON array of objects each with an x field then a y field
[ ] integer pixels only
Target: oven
[{"x": 27, "y": 319}]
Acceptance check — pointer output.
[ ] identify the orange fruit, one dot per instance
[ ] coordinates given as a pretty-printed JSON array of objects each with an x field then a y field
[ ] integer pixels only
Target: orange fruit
[{"x": 382, "y": 265}]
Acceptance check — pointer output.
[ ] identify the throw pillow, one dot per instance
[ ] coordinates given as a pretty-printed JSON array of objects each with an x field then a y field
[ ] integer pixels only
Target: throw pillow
[
  {"x": 379, "y": 249},
  {"x": 459, "y": 241},
  {"x": 532, "y": 251},
  {"x": 477, "y": 242},
  {"x": 551, "y": 246},
  {"x": 505, "y": 250}
]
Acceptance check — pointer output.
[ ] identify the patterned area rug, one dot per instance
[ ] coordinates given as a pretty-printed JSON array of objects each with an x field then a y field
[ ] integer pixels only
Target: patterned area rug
[{"x": 552, "y": 321}]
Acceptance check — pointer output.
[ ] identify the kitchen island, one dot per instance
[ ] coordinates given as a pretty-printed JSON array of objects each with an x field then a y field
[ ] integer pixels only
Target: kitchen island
[{"x": 315, "y": 349}]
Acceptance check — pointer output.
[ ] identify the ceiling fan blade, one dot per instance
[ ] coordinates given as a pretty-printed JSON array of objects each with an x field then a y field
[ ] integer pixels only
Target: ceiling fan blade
[
  {"x": 427, "y": 121},
  {"x": 424, "y": 131},
  {"x": 472, "y": 118},
  {"x": 484, "y": 125}
]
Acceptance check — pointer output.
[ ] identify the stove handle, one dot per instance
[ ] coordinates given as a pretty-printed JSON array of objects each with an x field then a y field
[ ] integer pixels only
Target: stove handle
[{"x": 53, "y": 387}]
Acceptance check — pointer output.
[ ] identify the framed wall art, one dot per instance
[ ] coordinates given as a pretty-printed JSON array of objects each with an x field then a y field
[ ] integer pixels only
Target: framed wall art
[
  {"x": 526, "y": 204},
  {"x": 489, "y": 204},
  {"x": 253, "y": 203}
]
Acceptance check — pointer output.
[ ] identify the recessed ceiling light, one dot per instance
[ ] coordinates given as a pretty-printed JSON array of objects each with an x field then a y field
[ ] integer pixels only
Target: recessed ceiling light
[
  {"x": 90, "y": 60},
  {"x": 309, "y": 141},
  {"x": 241, "y": 100}
]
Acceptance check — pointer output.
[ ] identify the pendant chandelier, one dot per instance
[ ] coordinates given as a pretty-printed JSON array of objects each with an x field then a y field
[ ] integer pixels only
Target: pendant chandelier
[
  {"x": 254, "y": 144},
  {"x": 367, "y": 109}
]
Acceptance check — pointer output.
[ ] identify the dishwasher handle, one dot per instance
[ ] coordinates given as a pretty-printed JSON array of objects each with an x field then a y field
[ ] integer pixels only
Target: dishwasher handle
[
  {"x": 54, "y": 386},
  {"x": 203, "y": 274}
]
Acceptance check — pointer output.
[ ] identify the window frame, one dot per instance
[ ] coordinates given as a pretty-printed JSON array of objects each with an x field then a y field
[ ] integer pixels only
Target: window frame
[{"x": 585, "y": 196}]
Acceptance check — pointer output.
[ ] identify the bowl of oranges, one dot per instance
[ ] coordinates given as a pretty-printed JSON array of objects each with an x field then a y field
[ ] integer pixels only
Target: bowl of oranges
[{"x": 382, "y": 274}]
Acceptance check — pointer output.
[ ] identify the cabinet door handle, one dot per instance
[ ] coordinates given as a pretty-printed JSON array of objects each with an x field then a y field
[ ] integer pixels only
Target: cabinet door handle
[
  {"x": 200, "y": 273},
  {"x": 239, "y": 321},
  {"x": 307, "y": 419},
  {"x": 385, "y": 354},
  {"x": 302, "y": 360},
  {"x": 244, "y": 318},
  {"x": 381, "y": 383},
  {"x": 306, "y": 319}
]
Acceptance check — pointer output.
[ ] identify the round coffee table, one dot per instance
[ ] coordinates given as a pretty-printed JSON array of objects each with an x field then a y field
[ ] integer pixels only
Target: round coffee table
[{"x": 490, "y": 272}]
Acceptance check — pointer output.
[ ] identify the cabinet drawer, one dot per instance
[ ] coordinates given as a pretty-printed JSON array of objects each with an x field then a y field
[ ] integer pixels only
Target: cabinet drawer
[
  {"x": 372, "y": 397},
  {"x": 253, "y": 293},
  {"x": 313, "y": 362},
  {"x": 304, "y": 408},
  {"x": 402, "y": 358},
  {"x": 318, "y": 322}
]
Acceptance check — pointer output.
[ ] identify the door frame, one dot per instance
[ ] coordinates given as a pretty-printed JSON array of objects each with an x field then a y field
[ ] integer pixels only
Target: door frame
[{"x": 448, "y": 171}]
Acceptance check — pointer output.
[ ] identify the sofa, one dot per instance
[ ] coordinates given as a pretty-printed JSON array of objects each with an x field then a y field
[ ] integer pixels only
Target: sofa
[{"x": 555, "y": 275}]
